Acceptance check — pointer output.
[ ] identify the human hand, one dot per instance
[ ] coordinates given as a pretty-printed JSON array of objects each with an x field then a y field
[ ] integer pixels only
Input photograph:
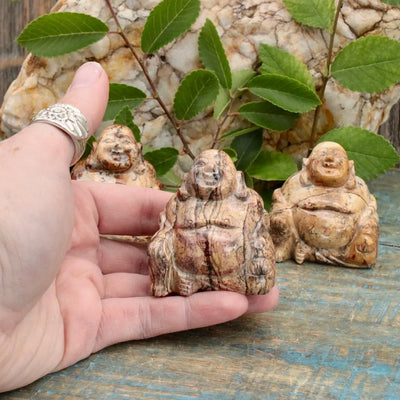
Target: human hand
[{"x": 65, "y": 291}]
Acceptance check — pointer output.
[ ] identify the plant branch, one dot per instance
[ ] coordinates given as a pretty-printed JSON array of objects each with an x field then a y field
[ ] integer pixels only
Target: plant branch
[
  {"x": 154, "y": 90},
  {"x": 325, "y": 78},
  {"x": 221, "y": 124}
]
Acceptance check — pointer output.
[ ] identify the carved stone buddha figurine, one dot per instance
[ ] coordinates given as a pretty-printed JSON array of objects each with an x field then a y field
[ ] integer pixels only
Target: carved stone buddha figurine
[
  {"x": 117, "y": 158},
  {"x": 325, "y": 213},
  {"x": 213, "y": 234}
]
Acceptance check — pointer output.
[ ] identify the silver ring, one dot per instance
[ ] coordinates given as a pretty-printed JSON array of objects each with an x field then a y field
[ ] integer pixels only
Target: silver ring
[{"x": 71, "y": 121}]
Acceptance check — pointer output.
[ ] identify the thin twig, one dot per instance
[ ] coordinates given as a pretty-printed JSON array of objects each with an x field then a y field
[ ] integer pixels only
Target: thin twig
[
  {"x": 325, "y": 78},
  {"x": 221, "y": 123},
  {"x": 154, "y": 90}
]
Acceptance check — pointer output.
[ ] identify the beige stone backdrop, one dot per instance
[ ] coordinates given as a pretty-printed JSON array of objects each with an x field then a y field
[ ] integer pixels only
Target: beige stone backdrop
[{"x": 15, "y": 15}]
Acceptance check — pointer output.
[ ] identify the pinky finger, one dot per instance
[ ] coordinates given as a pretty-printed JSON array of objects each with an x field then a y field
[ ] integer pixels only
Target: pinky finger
[{"x": 144, "y": 317}]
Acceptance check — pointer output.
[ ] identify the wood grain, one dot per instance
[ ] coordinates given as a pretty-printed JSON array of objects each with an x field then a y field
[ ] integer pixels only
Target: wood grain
[
  {"x": 14, "y": 16},
  {"x": 334, "y": 335}
]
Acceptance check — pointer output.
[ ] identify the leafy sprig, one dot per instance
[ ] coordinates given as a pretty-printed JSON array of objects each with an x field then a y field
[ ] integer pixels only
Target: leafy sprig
[{"x": 278, "y": 91}]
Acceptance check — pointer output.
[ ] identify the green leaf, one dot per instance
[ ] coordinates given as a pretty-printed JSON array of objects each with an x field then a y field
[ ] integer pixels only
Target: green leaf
[
  {"x": 239, "y": 132},
  {"x": 167, "y": 21},
  {"x": 392, "y": 2},
  {"x": 212, "y": 54},
  {"x": 266, "y": 195},
  {"x": 268, "y": 116},
  {"x": 284, "y": 92},
  {"x": 120, "y": 96},
  {"x": 315, "y": 13},
  {"x": 146, "y": 148},
  {"x": 272, "y": 166},
  {"x": 369, "y": 64},
  {"x": 196, "y": 92},
  {"x": 372, "y": 153},
  {"x": 248, "y": 180},
  {"x": 89, "y": 146},
  {"x": 232, "y": 153},
  {"x": 221, "y": 102},
  {"x": 241, "y": 78},
  {"x": 162, "y": 159},
  {"x": 170, "y": 179},
  {"x": 247, "y": 147},
  {"x": 61, "y": 33},
  {"x": 125, "y": 117},
  {"x": 280, "y": 62}
]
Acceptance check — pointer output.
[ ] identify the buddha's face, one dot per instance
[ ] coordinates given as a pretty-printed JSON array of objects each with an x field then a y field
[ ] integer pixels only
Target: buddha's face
[
  {"x": 328, "y": 165},
  {"x": 117, "y": 150},
  {"x": 213, "y": 174}
]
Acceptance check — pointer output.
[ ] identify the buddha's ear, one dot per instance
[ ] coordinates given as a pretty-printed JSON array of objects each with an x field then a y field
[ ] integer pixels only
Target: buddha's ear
[
  {"x": 241, "y": 191},
  {"x": 183, "y": 193},
  {"x": 305, "y": 173},
  {"x": 351, "y": 181}
]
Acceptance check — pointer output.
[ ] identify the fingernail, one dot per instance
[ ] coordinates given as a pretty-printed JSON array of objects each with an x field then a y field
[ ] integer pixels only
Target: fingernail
[{"x": 86, "y": 75}]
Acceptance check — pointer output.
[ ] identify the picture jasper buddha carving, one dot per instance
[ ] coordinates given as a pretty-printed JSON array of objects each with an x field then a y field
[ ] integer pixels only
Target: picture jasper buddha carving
[
  {"x": 325, "y": 213},
  {"x": 213, "y": 234},
  {"x": 117, "y": 158}
]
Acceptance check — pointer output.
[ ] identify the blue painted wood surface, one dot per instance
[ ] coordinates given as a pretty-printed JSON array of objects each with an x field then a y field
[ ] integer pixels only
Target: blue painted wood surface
[{"x": 334, "y": 335}]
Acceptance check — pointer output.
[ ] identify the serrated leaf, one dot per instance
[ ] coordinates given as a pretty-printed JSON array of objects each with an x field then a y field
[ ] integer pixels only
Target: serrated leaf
[
  {"x": 162, "y": 159},
  {"x": 392, "y": 2},
  {"x": 315, "y": 13},
  {"x": 221, "y": 102},
  {"x": 241, "y": 78},
  {"x": 284, "y": 92},
  {"x": 167, "y": 21},
  {"x": 88, "y": 147},
  {"x": 239, "y": 132},
  {"x": 268, "y": 116},
  {"x": 247, "y": 147},
  {"x": 120, "y": 96},
  {"x": 196, "y": 92},
  {"x": 272, "y": 166},
  {"x": 280, "y": 62},
  {"x": 125, "y": 117},
  {"x": 232, "y": 153},
  {"x": 239, "y": 81},
  {"x": 61, "y": 33},
  {"x": 369, "y": 64},
  {"x": 372, "y": 153},
  {"x": 171, "y": 180},
  {"x": 266, "y": 195},
  {"x": 249, "y": 180},
  {"x": 212, "y": 54}
]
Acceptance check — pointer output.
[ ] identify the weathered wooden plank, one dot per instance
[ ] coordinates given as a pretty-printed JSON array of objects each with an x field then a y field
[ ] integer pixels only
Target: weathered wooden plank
[
  {"x": 13, "y": 18},
  {"x": 335, "y": 335}
]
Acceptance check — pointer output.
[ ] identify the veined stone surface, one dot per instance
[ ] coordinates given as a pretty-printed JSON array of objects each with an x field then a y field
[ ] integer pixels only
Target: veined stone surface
[{"x": 242, "y": 25}]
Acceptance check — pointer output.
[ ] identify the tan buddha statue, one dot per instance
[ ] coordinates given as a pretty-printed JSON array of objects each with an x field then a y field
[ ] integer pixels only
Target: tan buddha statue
[
  {"x": 117, "y": 158},
  {"x": 325, "y": 213},
  {"x": 213, "y": 234}
]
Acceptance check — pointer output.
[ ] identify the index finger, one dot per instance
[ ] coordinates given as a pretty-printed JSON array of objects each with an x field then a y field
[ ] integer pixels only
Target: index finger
[{"x": 127, "y": 210}]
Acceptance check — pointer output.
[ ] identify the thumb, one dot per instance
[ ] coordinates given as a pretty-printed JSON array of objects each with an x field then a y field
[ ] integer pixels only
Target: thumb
[{"x": 89, "y": 93}]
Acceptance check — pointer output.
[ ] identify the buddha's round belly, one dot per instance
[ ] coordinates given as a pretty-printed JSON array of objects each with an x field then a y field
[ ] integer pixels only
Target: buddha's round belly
[
  {"x": 197, "y": 251},
  {"x": 325, "y": 228}
]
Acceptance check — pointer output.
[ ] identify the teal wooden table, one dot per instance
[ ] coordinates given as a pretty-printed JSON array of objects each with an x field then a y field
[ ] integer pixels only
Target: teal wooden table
[{"x": 334, "y": 335}]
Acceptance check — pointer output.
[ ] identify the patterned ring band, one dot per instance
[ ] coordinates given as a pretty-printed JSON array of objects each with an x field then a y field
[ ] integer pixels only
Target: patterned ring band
[{"x": 71, "y": 121}]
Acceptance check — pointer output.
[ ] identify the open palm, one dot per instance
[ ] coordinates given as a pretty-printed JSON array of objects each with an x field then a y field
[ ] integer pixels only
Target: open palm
[{"x": 66, "y": 291}]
